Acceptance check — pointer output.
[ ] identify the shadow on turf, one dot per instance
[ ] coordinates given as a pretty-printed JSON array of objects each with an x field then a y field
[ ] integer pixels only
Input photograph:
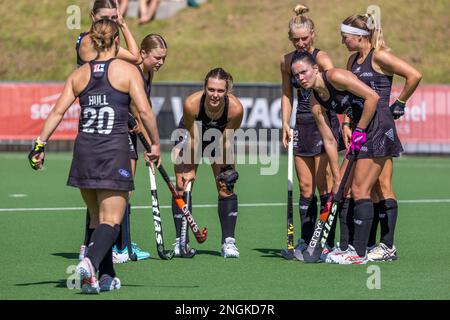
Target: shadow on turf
[
  {"x": 269, "y": 253},
  {"x": 58, "y": 284},
  {"x": 67, "y": 255}
]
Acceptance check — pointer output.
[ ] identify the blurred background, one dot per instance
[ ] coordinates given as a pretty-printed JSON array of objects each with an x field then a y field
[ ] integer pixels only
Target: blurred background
[{"x": 247, "y": 38}]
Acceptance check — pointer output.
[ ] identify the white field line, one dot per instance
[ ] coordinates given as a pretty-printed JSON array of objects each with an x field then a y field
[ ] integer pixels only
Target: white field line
[{"x": 273, "y": 204}]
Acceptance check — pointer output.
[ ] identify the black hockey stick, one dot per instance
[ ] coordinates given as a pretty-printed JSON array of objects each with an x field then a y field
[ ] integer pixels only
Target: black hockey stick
[
  {"x": 289, "y": 252},
  {"x": 199, "y": 235},
  {"x": 162, "y": 253},
  {"x": 324, "y": 224},
  {"x": 184, "y": 230}
]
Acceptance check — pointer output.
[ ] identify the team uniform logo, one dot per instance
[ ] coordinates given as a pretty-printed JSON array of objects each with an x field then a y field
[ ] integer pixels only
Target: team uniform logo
[
  {"x": 99, "y": 67},
  {"x": 390, "y": 134},
  {"x": 124, "y": 173}
]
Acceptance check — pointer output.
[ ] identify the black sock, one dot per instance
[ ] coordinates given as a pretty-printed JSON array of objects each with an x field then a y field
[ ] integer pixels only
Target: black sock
[
  {"x": 107, "y": 265},
  {"x": 363, "y": 223},
  {"x": 346, "y": 223},
  {"x": 228, "y": 210},
  {"x": 388, "y": 220},
  {"x": 374, "y": 228},
  {"x": 88, "y": 231},
  {"x": 88, "y": 236},
  {"x": 101, "y": 241},
  {"x": 308, "y": 216},
  {"x": 177, "y": 218},
  {"x": 124, "y": 230},
  {"x": 332, "y": 234}
]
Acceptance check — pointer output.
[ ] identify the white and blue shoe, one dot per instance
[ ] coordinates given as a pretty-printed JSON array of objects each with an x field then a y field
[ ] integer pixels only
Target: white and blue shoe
[
  {"x": 86, "y": 272},
  {"x": 141, "y": 255},
  {"x": 122, "y": 256}
]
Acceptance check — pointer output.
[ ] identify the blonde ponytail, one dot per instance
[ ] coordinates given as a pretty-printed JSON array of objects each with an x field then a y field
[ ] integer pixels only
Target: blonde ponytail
[{"x": 300, "y": 20}]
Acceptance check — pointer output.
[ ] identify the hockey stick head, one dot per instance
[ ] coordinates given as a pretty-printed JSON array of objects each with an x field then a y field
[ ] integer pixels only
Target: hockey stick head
[
  {"x": 312, "y": 254},
  {"x": 288, "y": 254},
  {"x": 165, "y": 254},
  {"x": 201, "y": 237},
  {"x": 188, "y": 254}
]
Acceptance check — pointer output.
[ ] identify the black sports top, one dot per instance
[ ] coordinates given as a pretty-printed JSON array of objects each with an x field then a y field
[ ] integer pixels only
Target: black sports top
[
  {"x": 341, "y": 102},
  {"x": 104, "y": 109},
  {"x": 379, "y": 82}
]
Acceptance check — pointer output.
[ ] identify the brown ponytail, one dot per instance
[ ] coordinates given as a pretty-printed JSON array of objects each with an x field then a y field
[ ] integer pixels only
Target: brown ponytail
[{"x": 103, "y": 33}]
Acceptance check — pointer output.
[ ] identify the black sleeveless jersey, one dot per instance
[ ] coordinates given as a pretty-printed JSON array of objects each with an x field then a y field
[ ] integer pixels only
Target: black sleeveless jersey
[
  {"x": 303, "y": 95},
  {"x": 208, "y": 123},
  {"x": 341, "y": 102},
  {"x": 104, "y": 109},
  {"x": 80, "y": 61},
  {"x": 380, "y": 83}
]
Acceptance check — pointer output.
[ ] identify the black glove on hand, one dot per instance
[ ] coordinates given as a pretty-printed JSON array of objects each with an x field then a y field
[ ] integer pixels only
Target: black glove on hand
[
  {"x": 228, "y": 176},
  {"x": 397, "y": 109},
  {"x": 38, "y": 148}
]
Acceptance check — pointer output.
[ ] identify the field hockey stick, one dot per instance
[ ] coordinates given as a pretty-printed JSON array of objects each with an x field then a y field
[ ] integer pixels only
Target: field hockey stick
[
  {"x": 199, "y": 235},
  {"x": 184, "y": 231},
  {"x": 162, "y": 253},
  {"x": 289, "y": 252},
  {"x": 326, "y": 220}
]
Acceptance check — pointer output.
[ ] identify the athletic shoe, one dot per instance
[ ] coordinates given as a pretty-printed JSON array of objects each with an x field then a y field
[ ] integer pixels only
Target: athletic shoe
[
  {"x": 299, "y": 248},
  {"x": 383, "y": 253},
  {"x": 85, "y": 270},
  {"x": 141, "y": 255},
  {"x": 335, "y": 255},
  {"x": 371, "y": 248},
  {"x": 120, "y": 256},
  {"x": 229, "y": 249},
  {"x": 352, "y": 257},
  {"x": 177, "y": 250},
  {"x": 108, "y": 283},
  {"x": 325, "y": 252},
  {"x": 83, "y": 252}
]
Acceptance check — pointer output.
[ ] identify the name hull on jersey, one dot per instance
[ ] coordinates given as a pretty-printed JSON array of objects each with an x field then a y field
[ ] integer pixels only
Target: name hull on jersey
[{"x": 98, "y": 100}]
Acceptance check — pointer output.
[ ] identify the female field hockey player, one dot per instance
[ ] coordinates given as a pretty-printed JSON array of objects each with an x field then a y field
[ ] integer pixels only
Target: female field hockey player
[
  {"x": 375, "y": 65},
  {"x": 100, "y": 167},
  {"x": 108, "y": 9},
  {"x": 341, "y": 91},
  {"x": 214, "y": 108},
  {"x": 153, "y": 54},
  {"x": 311, "y": 162}
]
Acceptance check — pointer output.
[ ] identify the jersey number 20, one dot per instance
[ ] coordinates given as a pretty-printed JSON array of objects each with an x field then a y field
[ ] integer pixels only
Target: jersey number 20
[{"x": 104, "y": 113}]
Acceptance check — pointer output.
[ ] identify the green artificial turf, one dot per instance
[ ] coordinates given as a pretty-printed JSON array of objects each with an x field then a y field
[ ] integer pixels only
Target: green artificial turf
[{"x": 39, "y": 246}]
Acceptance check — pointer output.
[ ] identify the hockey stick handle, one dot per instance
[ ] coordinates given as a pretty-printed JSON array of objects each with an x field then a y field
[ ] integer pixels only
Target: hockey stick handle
[
  {"x": 290, "y": 160},
  {"x": 199, "y": 235},
  {"x": 348, "y": 169}
]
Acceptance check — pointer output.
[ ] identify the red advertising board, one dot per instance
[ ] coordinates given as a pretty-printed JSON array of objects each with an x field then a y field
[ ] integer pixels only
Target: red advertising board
[{"x": 25, "y": 106}]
